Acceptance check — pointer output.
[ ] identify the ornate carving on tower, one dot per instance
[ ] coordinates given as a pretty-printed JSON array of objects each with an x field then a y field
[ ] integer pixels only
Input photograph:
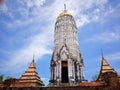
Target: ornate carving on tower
[{"x": 67, "y": 63}]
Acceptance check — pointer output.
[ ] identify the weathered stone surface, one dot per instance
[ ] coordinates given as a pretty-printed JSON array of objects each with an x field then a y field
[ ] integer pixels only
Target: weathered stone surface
[
  {"x": 67, "y": 88},
  {"x": 110, "y": 78},
  {"x": 66, "y": 63}
]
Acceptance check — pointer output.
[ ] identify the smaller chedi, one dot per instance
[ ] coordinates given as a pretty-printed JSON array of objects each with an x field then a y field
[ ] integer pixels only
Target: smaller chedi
[
  {"x": 29, "y": 79},
  {"x": 107, "y": 74}
]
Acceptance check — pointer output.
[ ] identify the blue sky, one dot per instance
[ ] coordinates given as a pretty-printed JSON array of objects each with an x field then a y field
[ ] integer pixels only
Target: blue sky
[{"x": 27, "y": 28}]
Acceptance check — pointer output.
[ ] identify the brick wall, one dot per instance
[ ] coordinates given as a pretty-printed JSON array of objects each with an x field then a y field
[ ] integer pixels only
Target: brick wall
[{"x": 67, "y": 88}]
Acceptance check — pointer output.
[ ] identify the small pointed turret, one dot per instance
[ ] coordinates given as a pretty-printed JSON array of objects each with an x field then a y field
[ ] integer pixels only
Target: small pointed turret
[
  {"x": 33, "y": 63},
  {"x": 105, "y": 67},
  {"x": 31, "y": 77},
  {"x": 102, "y": 54}
]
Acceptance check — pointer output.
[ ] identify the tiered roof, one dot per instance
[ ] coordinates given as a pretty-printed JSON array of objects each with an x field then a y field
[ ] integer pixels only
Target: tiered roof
[
  {"x": 31, "y": 77},
  {"x": 105, "y": 67}
]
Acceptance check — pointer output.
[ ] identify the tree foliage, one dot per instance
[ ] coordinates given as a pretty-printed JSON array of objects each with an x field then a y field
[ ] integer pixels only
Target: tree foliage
[
  {"x": 94, "y": 77},
  {"x": 1, "y": 78}
]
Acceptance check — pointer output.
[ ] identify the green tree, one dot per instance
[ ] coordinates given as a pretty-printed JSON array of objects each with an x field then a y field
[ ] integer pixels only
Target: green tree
[
  {"x": 1, "y": 78},
  {"x": 94, "y": 77}
]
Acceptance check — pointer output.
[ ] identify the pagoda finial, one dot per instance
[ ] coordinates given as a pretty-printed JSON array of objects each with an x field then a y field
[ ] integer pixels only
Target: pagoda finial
[
  {"x": 102, "y": 54},
  {"x": 33, "y": 56},
  {"x": 64, "y": 7}
]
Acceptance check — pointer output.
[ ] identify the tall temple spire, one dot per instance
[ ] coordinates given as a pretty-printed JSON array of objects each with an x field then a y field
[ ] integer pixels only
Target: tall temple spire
[{"x": 66, "y": 63}]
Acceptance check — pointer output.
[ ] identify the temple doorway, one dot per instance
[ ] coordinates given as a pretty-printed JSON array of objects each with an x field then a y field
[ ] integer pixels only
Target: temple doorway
[{"x": 64, "y": 72}]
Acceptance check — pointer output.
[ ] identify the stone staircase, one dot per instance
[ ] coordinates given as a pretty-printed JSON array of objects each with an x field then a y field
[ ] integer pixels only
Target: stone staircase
[{"x": 64, "y": 84}]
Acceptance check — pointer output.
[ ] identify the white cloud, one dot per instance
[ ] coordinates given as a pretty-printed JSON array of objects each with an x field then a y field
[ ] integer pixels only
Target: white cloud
[
  {"x": 101, "y": 2},
  {"x": 114, "y": 60},
  {"x": 45, "y": 80},
  {"x": 3, "y": 7},
  {"x": 39, "y": 44},
  {"x": 4, "y": 52},
  {"x": 97, "y": 10},
  {"x": 105, "y": 37},
  {"x": 24, "y": 12},
  {"x": 31, "y": 3},
  {"x": 88, "y": 11},
  {"x": 83, "y": 19},
  {"x": 34, "y": 11},
  {"x": 113, "y": 57}
]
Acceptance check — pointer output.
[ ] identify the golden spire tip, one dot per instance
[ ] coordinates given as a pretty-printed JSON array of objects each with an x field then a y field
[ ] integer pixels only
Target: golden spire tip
[
  {"x": 33, "y": 56},
  {"x": 102, "y": 54},
  {"x": 64, "y": 7}
]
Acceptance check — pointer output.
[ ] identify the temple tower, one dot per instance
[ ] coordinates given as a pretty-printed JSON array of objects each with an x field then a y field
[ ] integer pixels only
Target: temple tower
[{"x": 66, "y": 63}]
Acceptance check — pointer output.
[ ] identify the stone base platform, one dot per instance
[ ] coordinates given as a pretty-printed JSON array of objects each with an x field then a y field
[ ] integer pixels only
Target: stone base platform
[{"x": 66, "y": 88}]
